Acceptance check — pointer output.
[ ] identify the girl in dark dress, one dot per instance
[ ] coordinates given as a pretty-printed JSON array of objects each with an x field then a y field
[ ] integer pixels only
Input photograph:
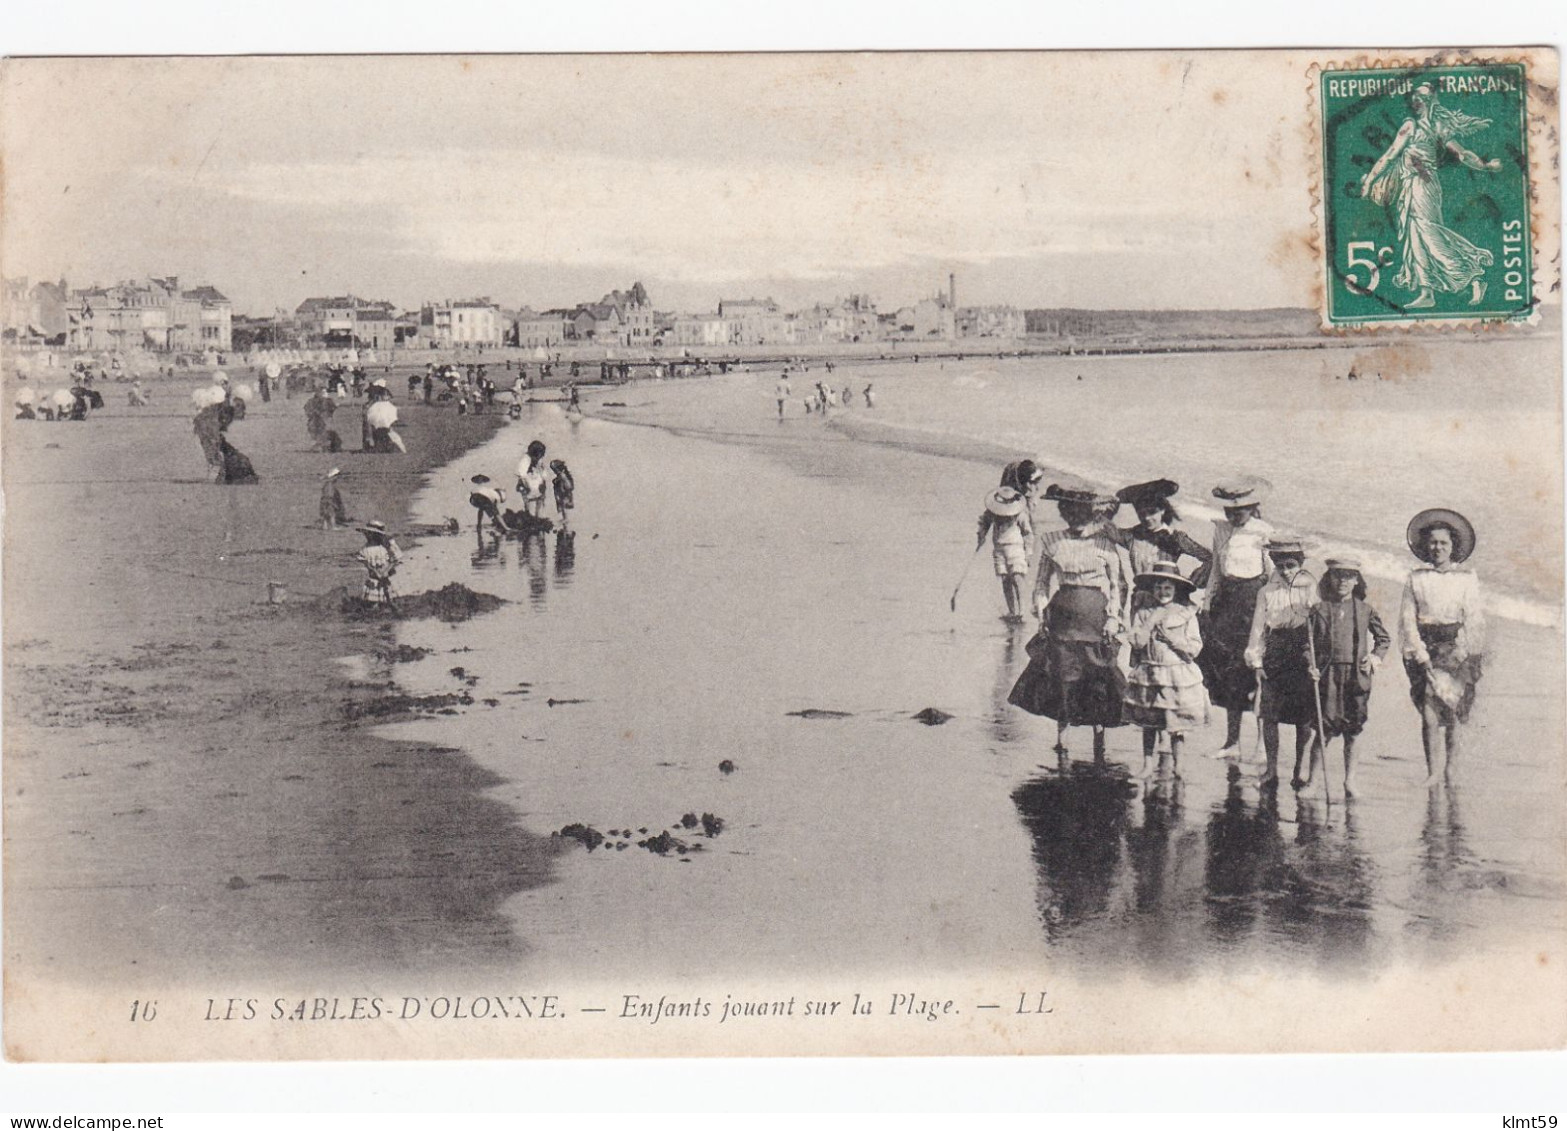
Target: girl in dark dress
[
  {"x": 1276, "y": 651},
  {"x": 1073, "y": 675},
  {"x": 1238, "y": 571},
  {"x": 1156, "y": 537},
  {"x": 1346, "y": 643}
]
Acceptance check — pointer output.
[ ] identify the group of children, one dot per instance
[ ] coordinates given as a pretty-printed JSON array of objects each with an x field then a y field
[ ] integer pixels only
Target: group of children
[
  {"x": 533, "y": 487},
  {"x": 1268, "y": 637}
]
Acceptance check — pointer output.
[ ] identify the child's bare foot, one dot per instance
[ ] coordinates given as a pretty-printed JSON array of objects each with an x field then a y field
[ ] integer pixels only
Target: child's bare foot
[{"x": 1148, "y": 764}]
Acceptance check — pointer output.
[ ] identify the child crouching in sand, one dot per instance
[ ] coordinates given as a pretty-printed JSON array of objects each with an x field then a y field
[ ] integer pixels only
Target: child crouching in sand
[{"x": 1165, "y": 691}]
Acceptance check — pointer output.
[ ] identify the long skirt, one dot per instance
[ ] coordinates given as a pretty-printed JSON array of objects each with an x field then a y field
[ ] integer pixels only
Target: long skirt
[
  {"x": 1461, "y": 675},
  {"x": 1346, "y": 699},
  {"x": 1072, "y": 674},
  {"x": 237, "y": 468},
  {"x": 1286, "y": 688},
  {"x": 1225, "y": 629}
]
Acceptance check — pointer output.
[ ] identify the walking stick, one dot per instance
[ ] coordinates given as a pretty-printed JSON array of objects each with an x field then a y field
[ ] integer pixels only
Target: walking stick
[
  {"x": 1316, "y": 701},
  {"x": 1256, "y": 710},
  {"x": 964, "y": 578}
]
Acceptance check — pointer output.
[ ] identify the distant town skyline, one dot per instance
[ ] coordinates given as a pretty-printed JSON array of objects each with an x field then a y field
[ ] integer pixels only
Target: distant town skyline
[{"x": 537, "y": 180}]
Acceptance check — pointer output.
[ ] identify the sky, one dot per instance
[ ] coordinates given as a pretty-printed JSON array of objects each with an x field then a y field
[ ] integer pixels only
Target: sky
[{"x": 1136, "y": 179}]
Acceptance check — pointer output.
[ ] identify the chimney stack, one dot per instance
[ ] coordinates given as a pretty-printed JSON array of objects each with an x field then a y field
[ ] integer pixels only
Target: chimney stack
[{"x": 952, "y": 291}]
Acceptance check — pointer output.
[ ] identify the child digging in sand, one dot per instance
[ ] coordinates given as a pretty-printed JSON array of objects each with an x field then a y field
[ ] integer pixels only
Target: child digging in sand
[
  {"x": 1345, "y": 646},
  {"x": 1165, "y": 691}
]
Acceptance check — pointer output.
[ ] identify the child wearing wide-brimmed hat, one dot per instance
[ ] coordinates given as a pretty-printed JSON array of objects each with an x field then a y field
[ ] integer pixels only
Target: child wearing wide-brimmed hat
[
  {"x": 380, "y": 557},
  {"x": 1442, "y": 630},
  {"x": 1165, "y": 690},
  {"x": 1346, "y": 643},
  {"x": 1005, "y": 518}
]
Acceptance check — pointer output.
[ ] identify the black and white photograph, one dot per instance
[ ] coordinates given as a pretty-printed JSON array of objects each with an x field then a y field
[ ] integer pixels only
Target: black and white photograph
[{"x": 797, "y": 554}]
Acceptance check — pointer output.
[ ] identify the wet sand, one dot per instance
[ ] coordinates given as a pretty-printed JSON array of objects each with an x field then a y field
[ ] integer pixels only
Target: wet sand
[
  {"x": 199, "y": 785},
  {"x": 726, "y": 577},
  {"x": 187, "y": 792}
]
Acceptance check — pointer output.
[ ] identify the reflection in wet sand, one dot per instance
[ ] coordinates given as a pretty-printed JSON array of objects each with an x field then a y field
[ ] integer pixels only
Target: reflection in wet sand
[{"x": 1114, "y": 854}]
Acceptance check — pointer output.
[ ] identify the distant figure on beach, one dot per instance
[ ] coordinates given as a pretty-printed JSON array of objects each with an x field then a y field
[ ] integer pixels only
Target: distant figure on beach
[
  {"x": 870, "y": 397},
  {"x": 1404, "y": 180},
  {"x": 1277, "y": 651},
  {"x": 380, "y": 558},
  {"x": 1346, "y": 645},
  {"x": 486, "y": 500},
  {"x": 848, "y": 397},
  {"x": 532, "y": 483},
  {"x": 380, "y": 419},
  {"x": 213, "y": 416},
  {"x": 136, "y": 395},
  {"x": 1238, "y": 572},
  {"x": 564, "y": 487},
  {"x": 318, "y": 413},
  {"x": 1442, "y": 633},
  {"x": 1073, "y": 675},
  {"x": 781, "y": 391},
  {"x": 1156, "y": 537},
  {"x": 1165, "y": 692},
  {"x": 1006, "y": 519},
  {"x": 333, "y": 513},
  {"x": 809, "y": 403}
]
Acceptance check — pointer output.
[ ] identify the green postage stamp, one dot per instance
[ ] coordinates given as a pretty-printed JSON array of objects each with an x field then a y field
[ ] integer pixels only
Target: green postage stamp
[{"x": 1425, "y": 204}]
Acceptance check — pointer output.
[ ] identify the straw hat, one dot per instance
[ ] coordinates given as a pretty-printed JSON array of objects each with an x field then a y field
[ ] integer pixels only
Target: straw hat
[
  {"x": 1463, "y": 531},
  {"x": 1343, "y": 563},
  {"x": 373, "y": 529},
  {"x": 481, "y": 479},
  {"x": 334, "y": 473},
  {"x": 1164, "y": 571},
  {"x": 1004, "y": 502},
  {"x": 1286, "y": 544},
  {"x": 1242, "y": 491},
  {"x": 1154, "y": 491},
  {"x": 1057, "y": 493}
]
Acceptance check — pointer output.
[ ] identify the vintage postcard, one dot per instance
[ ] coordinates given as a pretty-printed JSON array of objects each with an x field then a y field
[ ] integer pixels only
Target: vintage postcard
[{"x": 796, "y": 554}]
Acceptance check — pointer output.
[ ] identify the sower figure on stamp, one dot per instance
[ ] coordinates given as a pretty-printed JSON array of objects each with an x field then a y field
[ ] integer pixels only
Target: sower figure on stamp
[{"x": 1432, "y": 257}]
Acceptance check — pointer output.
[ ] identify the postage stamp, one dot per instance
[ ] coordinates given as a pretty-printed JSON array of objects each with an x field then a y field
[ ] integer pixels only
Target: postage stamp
[{"x": 1425, "y": 203}]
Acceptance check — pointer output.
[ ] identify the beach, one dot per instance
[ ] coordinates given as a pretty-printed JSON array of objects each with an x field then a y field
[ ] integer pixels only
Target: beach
[{"x": 743, "y": 626}]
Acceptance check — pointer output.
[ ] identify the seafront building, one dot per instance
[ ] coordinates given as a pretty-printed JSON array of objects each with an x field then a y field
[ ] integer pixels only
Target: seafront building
[
  {"x": 463, "y": 323},
  {"x": 153, "y": 314},
  {"x": 36, "y": 313}
]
